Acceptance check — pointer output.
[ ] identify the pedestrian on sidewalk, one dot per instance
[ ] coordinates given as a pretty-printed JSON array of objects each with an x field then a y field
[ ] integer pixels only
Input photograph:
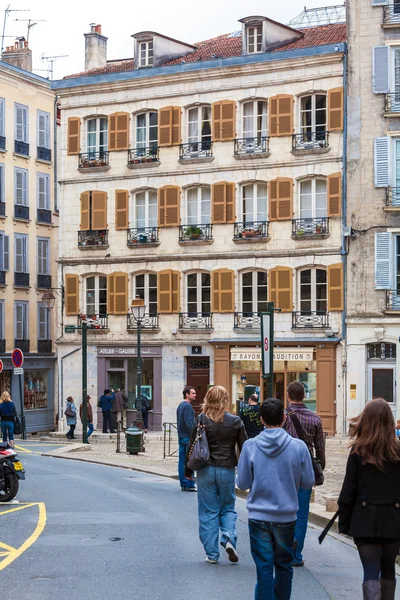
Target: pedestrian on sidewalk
[
  {"x": 89, "y": 417},
  {"x": 105, "y": 403},
  {"x": 273, "y": 466},
  {"x": 303, "y": 420},
  {"x": 185, "y": 419},
  {"x": 369, "y": 503},
  {"x": 120, "y": 406},
  {"x": 70, "y": 413},
  {"x": 216, "y": 480},
  {"x": 8, "y": 414},
  {"x": 250, "y": 416},
  {"x": 145, "y": 407}
]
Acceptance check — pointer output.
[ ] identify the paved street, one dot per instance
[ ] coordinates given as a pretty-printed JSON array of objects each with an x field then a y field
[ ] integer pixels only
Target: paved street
[{"x": 114, "y": 533}]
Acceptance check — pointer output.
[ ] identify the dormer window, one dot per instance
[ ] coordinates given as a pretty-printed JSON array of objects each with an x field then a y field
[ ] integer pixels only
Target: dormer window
[
  {"x": 146, "y": 53},
  {"x": 254, "y": 39}
]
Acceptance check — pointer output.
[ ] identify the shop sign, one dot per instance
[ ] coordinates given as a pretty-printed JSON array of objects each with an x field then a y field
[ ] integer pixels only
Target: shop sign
[
  {"x": 305, "y": 354},
  {"x": 126, "y": 351}
]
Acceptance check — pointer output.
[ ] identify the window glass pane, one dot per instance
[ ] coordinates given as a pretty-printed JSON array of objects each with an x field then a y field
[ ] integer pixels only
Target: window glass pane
[
  {"x": 206, "y": 124},
  {"x": 320, "y": 198},
  {"x": 306, "y": 199},
  {"x": 383, "y": 384},
  {"x": 193, "y": 131},
  {"x": 205, "y": 211},
  {"x": 141, "y": 130},
  {"x": 153, "y": 129},
  {"x": 192, "y": 280},
  {"x": 247, "y": 278},
  {"x": 193, "y": 207},
  {"x": 140, "y": 209},
  {"x": 248, "y": 120},
  {"x": 35, "y": 389},
  {"x": 248, "y": 206},
  {"x": 262, "y": 202},
  {"x": 261, "y": 119}
]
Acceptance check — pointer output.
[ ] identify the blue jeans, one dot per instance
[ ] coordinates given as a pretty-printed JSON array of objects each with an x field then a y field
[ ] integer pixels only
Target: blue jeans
[
  {"x": 301, "y": 524},
  {"x": 216, "y": 506},
  {"x": 90, "y": 430},
  {"x": 272, "y": 547},
  {"x": 183, "y": 448},
  {"x": 7, "y": 428}
]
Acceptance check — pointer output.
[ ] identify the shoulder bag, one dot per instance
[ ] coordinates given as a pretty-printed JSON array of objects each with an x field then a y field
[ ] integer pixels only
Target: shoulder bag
[
  {"x": 318, "y": 470},
  {"x": 68, "y": 412},
  {"x": 17, "y": 423},
  {"x": 199, "y": 453}
]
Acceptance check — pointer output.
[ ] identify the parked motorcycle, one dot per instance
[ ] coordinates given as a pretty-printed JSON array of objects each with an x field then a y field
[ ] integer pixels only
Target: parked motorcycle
[{"x": 11, "y": 471}]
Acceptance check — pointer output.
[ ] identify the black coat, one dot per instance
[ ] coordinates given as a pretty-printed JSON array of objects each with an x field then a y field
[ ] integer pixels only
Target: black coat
[{"x": 369, "y": 503}]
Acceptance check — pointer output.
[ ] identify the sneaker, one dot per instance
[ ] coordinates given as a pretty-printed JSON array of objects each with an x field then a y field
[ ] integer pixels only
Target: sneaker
[
  {"x": 232, "y": 554},
  {"x": 211, "y": 561},
  {"x": 188, "y": 489},
  {"x": 300, "y": 564}
]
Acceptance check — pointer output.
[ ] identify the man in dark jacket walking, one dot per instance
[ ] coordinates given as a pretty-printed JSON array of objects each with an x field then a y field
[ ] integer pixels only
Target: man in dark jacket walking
[
  {"x": 250, "y": 416},
  {"x": 186, "y": 421},
  {"x": 105, "y": 403}
]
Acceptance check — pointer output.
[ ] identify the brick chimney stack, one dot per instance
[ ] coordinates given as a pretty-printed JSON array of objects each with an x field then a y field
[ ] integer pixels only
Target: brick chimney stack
[
  {"x": 19, "y": 55},
  {"x": 95, "y": 48}
]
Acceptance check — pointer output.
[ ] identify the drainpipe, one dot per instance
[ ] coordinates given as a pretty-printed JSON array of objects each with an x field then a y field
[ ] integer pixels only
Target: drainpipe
[
  {"x": 344, "y": 242},
  {"x": 61, "y": 397},
  {"x": 56, "y": 208}
]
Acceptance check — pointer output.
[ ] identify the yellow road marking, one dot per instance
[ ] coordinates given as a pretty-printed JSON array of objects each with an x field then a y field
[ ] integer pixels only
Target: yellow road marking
[
  {"x": 11, "y": 510},
  {"x": 16, "y": 553},
  {"x": 22, "y": 449},
  {"x": 7, "y": 547}
]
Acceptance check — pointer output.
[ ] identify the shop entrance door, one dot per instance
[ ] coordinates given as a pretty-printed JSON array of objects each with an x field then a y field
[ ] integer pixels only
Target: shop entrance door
[{"x": 198, "y": 376}]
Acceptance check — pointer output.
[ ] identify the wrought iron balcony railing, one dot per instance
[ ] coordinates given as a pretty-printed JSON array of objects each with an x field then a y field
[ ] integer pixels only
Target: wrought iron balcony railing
[
  {"x": 21, "y": 212},
  {"x": 45, "y": 346},
  {"x": 310, "y": 320},
  {"x": 310, "y": 140},
  {"x": 198, "y": 233},
  {"x": 149, "y": 322},
  {"x": 44, "y": 153},
  {"x": 393, "y": 197},
  {"x": 23, "y": 345},
  {"x": 393, "y": 300},
  {"x": 195, "y": 320},
  {"x": 196, "y": 150},
  {"x": 250, "y": 230},
  {"x": 3, "y": 277},
  {"x": 94, "y": 321},
  {"x": 43, "y": 282},
  {"x": 21, "y": 279},
  {"x": 2, "y": 346},
  {"x": 2, "y": 142},
  {"x": 43, "y": 215},
  {"x": 138, "y": 236},
  {"x": 310, "y": 227},
  {"x": 246, "y": 320},
  {"x": 21, "y": 148},
  {"x": 2, "y": 209},
  {"x": 391, "y": 14},
  {"x": 90, "y": 160},
  {"x": 138, "y": 156},
  {"x": 392, "y": 102},
  {"x": 252, "y": 145},
  {"x": 93, "y": 237}
]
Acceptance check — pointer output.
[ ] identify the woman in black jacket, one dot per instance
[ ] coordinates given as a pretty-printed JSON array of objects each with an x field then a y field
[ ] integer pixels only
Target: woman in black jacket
[
  {"x": 369, "y": 503},
  {"x": 216, "y": 480}
]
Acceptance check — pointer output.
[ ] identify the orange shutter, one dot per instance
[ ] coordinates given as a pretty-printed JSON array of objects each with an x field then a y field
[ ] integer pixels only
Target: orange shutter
[
  {"x": 334, "y": 195},
  {"x": 281, "y": 115},
  {"x": 121, "y": 293},
  {"x": 223, "y": 202},
  {"x": 335, "y": 287},
  {"x": 121, "y": 209},
  {"x": 74, "y": 135},
  {"x": 176, "y": 126},
  {"x": 110, "y": 294},
  {"x": 335, "y": 109},
  {"x": 169, "y": 205},
  {"x": 273, "y": 116},
  {"x": 281, "y": 288},
  {"x": 224, "y": 120},
  {"x": 223, "y": 291},
  {"x": 99, "y": 210},
  {"x": 175, "y": 291},
  {"x": 71, "y": 295},
  {"x": 118, "y": 131},
  {"x": 85, "y": 211},
  {"x": 280, "y": 199},
  {"x": 168, "y": 291},
  {"x": 230, "y": 202},
  {"x": 165, "y": 126}
]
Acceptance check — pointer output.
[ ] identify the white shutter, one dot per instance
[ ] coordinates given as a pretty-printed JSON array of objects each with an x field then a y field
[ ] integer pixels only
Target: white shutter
[
  {"x": 19, "y": 123},
  {"x": 19, "y": 194},
  {"x": 25, "y": 253},
  {"x": 381, "y": 160},
  {"x": 2, "y": 319},
  {"x": 2, "y": 115},
  {"x": 42, "y": 322},
  {"x": 383, "y": 260},
  {"x": 19, "y": 321},
  {"x": 18, "y": 254},
  {"x": 380, "y": 69},
  {"x": 2, "y": 196},
  {"x": 6, "y": 255},
  {"x": 25, "y": 123}
]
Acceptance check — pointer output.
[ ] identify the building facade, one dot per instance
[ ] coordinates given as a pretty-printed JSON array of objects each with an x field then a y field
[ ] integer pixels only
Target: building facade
[
  {"x": 28, "y": 235},
  {"x": 208, "y": 181}
]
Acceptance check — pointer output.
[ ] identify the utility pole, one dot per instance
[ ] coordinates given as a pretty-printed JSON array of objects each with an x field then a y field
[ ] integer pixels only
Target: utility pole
[{"x": 84, "y": 379}]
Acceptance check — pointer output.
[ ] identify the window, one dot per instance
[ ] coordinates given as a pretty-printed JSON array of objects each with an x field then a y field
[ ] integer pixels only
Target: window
[
  {"x": 254, "y": 202},
  {"x": 147, "y": 130},
  {"x": 382, "y": 371},
  {"x": 21, "y": 253},
  {"x": 2, "y": 184},
  {"x": 2, "y": 313},
  {"x": 21, "y": 187},
  {"x": 146, "y": 288},
  {"x": 21, "y": 123},
  {"x": 43, "y": 129},
  {"x": 198, "y": 293},
  {"x": 313, "y": 291},
  {"x": 43, "y": 191},
  {"x": 21, "y": 320},
  {"x": 199, "y": 206},
  {"x": 145, "y": 209},
  {"x": 312, "y": 199},
  {"x": 35, "y": 389},
  {"x": 313, "y": 117},
  {"x": 2, "y": 118},
  {"x": 254, "y": 39},
  {"x": 96, "y": 295},
  {"x": 199, "y": 128},
  {"x": 254, "y": 292},
  {"x": 255, "y": 119},
  {"x": 97, "y": 136},
  {"x": 43, "y": 256},
  {"x": 43, "y": 322},
  {"x": 4, "y": 252},
  {"x": 146, "y": 53}
]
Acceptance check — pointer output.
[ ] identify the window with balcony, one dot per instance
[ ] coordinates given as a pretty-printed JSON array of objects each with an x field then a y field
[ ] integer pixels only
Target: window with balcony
[
  {"x": 2, "y": 191},
  {"x": 96, "y": 296},
  {"x": 387, "y": 267},
  {"x": 198, "y": 220},
  {"x": 145, "y": 286},
  {"x": 312, "y": 299},
  {"x": 253, "y": 211},
  {"x": 198, "y": 133},
  {"x": 313, "y": 220},
  {"x": 254, "y": 299},
  {"x": 313, "y": 123},
  {"x": 43, "y": 136},
  {"x": 255, "y": 128},
  {"x": 146, "y": 53},
  {"x": 43, "y": 263},
  {"x": 93, "y": 227},
  {"x": 198, "y": 302},
  {"x": 21, "y": 207},
  {"x": 21, "y": 130},
  {"x": 43, "y": 198},
  {"x": 96, "y": 154},
  {"x": 2, "y": 124},
  {"x": 21, "y": 325},
  {"x": 21, "y": 264},
  {"x": 254, "y": 39},
  {"x": 146, "y": 149}
]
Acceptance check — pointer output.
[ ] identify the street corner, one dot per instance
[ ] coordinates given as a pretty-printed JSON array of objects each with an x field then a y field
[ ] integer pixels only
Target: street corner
[{"x": 21, "y": 524}]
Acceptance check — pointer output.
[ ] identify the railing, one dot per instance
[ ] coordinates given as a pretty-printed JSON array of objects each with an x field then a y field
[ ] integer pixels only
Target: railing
[
  {"x": 92, "y": 237},
  {"x": 138, "y": 156},
  {"x": 2, "y": 346},
  {"x": 21, "y": 148},
  {"x": 94, "y": 321},
  {"x": 391, "y": 14},
  {"x": 43, "y": 282},
  {"x": 149, "y": 322},
  {"x": 44, "y": 153},
  {"x": 250, "y": 230},
  {"x": 310, "y": 320},
  {"x": 310, "y": 227},
  {"x": 45, "y": 346},
  {"x": 392, "y": 300},
  {"x": 392, "y": 102},
  {"x": 251, "y": 145},
  {"x": 2, "y": 209},
  {"x": 142, "y": 235},
  {"x": 310, "y": 140},
  {"x": 23, "y": 345},
  {"x": 3, "y": 277},
  {"x": 89, "y": 160},
  {"x": 2, "y": 142},
  {"x": 195, "y": 233},
  {"x": 195, "y": 150},
  {"x": 21, "y": 212},
  {"x": 393, "y": 196},
  {"x": 246, "y": 320},
  {"x": 195, "y": 320},
  {"x": 21, "y": 279},
  {"x": 43, "y": 215},
  {"x": 170, "y": 438}
]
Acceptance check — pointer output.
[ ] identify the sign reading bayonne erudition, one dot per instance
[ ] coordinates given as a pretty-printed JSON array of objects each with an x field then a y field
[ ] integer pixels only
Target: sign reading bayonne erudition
[{"x": 279, "y": 354}]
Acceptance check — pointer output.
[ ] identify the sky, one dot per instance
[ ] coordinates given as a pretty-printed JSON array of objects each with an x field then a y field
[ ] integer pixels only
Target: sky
[{"x": 64, "y": 24}]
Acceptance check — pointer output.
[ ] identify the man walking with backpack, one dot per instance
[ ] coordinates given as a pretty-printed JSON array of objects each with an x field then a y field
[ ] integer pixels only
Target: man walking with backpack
[{"x": 185, "y": 419}]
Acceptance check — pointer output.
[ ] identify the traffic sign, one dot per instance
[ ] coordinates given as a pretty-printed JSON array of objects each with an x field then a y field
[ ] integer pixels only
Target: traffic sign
[
  {"x": 1, "y": 365},
  {"x": 70, "y": 328},
  {"x": 18, "y": 371},
  {"x": 266, "y": 346},
  {"x": 17, "y": 358}
]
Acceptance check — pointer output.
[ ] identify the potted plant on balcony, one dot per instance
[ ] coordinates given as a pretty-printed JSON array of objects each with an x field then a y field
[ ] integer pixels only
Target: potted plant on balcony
[
  {"x": 193, "y": 232},
  {"x": 320, "y": 227},
  {"x": 102, "y": 238},
  {"x": 249, "y": 232},
  {"x": 300, "y": 232}
]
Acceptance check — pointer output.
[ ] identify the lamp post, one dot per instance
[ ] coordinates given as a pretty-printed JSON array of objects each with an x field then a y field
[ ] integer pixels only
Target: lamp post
[{"x": 138, "y": 309}]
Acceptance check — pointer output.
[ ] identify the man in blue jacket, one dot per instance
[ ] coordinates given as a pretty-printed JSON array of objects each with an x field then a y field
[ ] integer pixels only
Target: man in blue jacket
[
  {"x": 273, "y": 466},
  {"x": 186, "y": 421},
  {"x": 105, "y": 403}
]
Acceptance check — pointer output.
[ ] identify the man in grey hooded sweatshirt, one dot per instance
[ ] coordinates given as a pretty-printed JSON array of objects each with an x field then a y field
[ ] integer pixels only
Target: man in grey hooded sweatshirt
[{"x": 273, "y": 466}]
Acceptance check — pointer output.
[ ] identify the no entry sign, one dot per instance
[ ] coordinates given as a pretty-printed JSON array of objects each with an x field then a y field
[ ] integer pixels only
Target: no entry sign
[
  {"x": 17, "y": 358},
  {"x": 1, "y": 366}
]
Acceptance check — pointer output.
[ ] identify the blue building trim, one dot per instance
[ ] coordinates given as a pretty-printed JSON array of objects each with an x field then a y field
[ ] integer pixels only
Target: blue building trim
[
  {"x": 26, "y": 74},
  {"x": 277, "y": 341}
]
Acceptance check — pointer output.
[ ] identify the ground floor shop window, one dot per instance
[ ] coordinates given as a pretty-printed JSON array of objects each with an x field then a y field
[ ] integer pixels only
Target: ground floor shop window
[
  {"x": 5, "y": 382},
  {"x": 35, "y": 389},
  {"x": 147, "y": 381}
]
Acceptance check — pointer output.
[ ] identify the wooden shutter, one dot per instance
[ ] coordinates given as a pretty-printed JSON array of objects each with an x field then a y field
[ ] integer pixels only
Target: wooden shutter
[
  {"x": 335, "y": 287},
  {"x": 281, "y": 115},
  {"x": 85, "y": 211},
  {"x": 223, "y": 202},
  {"x": 335, "y": 109},
  {"x": 169, "y": 205},
  {"x": 175, "y": 280},
  {"x": 383, "y": 260},
  {"x": 99, "y": 210},
  {"x": 224, "y": 120},
  {"x": 110, "y": 294},
  {"x": 381, "y": 161},
  {"x": 121, "y": 209},
  {"x": 281, "y": 288},
  {"x": 380, "y": 69},
  {"x": 117, "y": 294},
  {"x": 334, "y": 195},
  {"x": 176, "y": 126},
  {"x": 118, "y": 131},
  {"x": 71, "y": 295},
  {"x": 280, "y": 193},
  {"x": 223, "y": 291},
  {"x": 169, "y": 126},
  {"x": 74, "y": 136},
  {"x": 168, "y": 289}
]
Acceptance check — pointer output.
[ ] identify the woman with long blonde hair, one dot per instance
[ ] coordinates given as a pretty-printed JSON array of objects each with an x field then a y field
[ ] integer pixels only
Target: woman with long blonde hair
[
  {"x": 8, "y": 412},
  {"x": 216, "y": 480}
]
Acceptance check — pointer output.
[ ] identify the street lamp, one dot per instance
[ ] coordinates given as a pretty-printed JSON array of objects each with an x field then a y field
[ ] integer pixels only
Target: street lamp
[
  {"x": 48, "y": 299},
  {"x": 138, "y": 310}
]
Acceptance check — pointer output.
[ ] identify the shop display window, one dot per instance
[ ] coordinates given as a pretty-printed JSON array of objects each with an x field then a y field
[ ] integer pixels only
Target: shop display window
[
  {"x": 5, "y": 382},
  {"x": 147, "y": 380},
  {"x": 35, "y": 389}
]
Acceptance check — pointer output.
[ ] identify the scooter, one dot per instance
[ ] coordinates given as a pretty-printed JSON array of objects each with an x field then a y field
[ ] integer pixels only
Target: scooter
[{"x": 11, "y": 472}]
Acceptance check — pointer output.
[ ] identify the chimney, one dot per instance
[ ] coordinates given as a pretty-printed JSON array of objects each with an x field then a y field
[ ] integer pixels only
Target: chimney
[
  {"x": 95, "y": 48},
  {"x": 19, "y": 55}
]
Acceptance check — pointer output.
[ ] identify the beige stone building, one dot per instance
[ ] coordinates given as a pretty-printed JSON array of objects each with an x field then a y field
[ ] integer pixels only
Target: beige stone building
[{"x": 206, "y": 179}]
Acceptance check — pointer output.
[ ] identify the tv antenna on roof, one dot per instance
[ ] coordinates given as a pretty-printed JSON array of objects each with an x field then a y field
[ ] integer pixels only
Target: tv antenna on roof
[
  {"x": 51, "y": 60},
  {"x": 31, "y": 23},
  {"x": 6, "y": 14}
]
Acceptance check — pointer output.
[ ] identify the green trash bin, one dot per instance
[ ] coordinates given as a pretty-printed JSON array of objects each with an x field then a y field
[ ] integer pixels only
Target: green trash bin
[{"x": 134, "y": 440}]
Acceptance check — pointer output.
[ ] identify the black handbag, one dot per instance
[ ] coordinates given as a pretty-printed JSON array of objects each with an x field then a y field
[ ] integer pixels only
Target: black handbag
[
  {"x": 17, "y": 424},
  {"x": 199, "y": 453},
  {"x": 68, "y": 412},
  {"x": 318, "y": 470}
]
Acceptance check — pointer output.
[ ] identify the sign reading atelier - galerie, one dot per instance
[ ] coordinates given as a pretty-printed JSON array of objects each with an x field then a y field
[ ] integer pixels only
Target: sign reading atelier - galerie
[
  {"x": 279, "y": 354},
  {"x": 128, "y": 351}
]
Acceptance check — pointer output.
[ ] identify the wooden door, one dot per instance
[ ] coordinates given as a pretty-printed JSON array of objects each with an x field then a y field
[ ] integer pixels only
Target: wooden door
[{"x": 198, "y": 376}]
